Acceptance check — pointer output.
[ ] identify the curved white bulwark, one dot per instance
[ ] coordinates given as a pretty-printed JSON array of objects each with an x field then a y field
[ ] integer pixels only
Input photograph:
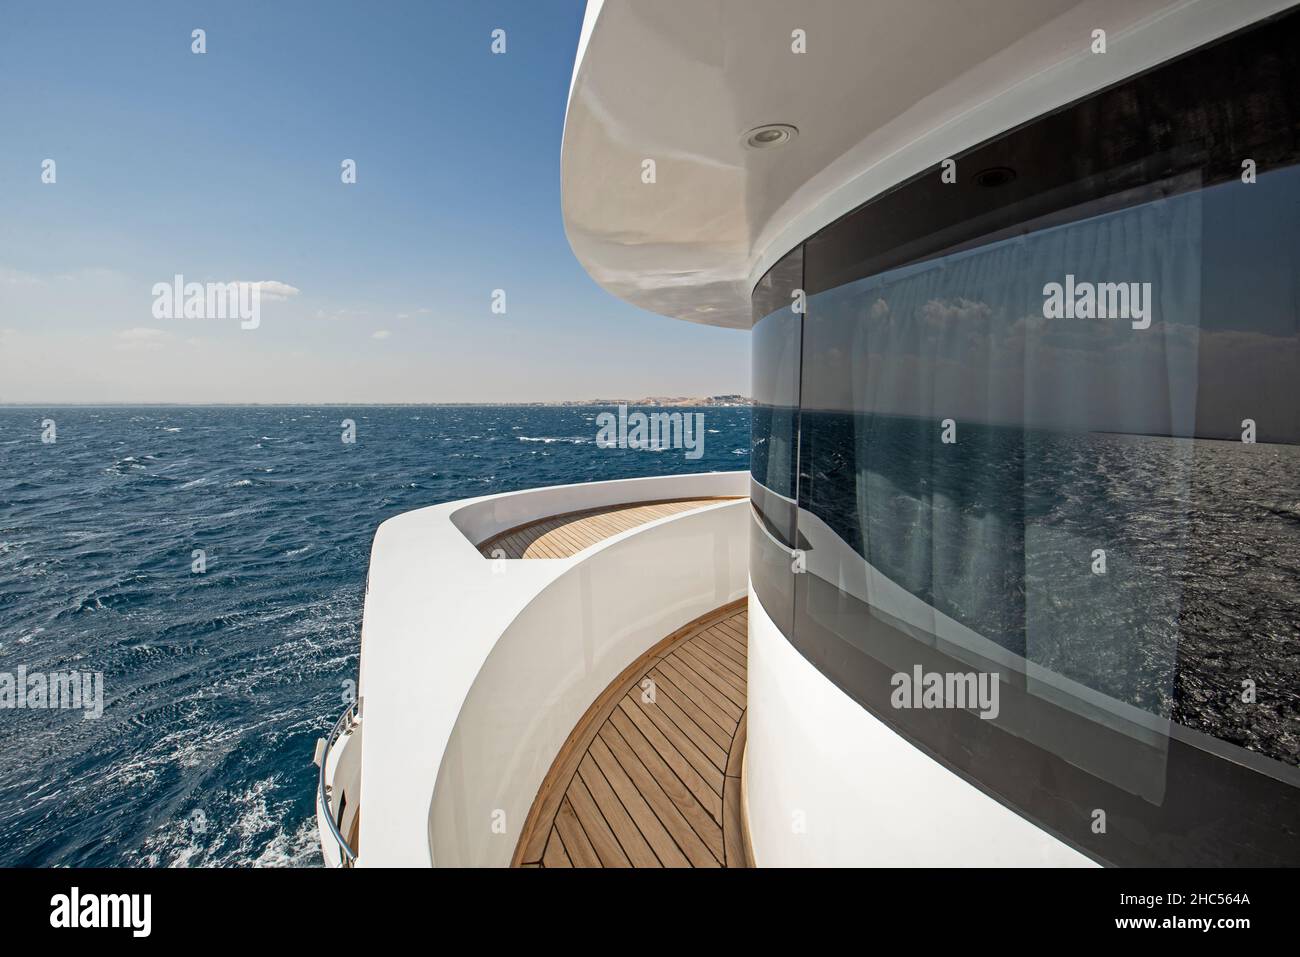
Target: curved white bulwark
[
  {"x": 883, "y": 91},
  {"x": 474, "y": 670}
]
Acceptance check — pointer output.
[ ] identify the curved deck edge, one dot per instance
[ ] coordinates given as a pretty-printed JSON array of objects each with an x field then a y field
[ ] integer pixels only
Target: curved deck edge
[{"x": 575, "y": 759}]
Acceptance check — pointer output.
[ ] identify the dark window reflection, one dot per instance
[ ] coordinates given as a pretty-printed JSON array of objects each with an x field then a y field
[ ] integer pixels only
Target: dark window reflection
[
  {"x": 987, "y": 482},
  {"x": 773, "y": 463}
]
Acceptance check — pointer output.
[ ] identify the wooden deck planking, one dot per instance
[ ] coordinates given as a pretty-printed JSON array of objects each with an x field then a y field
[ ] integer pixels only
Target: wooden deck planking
[
  {"x": 578, "y": 850},
  {"x": 653, "y": 783},
  {"x": 717, "y": 731},
  {"x": 704, "y": 823},
  {"x": 560, "y": 536},
  {"x": 717, "y": 706}
]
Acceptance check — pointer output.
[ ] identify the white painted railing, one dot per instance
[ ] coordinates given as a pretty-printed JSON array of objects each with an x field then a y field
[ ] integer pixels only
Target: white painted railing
[{"x": 474, "y": 671}]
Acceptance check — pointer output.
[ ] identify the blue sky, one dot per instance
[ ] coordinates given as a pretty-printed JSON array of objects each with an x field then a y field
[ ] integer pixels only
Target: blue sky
[{"x": 226, "y": 166}]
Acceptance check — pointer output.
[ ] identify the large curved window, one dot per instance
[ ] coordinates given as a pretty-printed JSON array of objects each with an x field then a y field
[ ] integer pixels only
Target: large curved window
[
  {"x": 1048, "y": 429},
  {"x": 774, "y": 454}
]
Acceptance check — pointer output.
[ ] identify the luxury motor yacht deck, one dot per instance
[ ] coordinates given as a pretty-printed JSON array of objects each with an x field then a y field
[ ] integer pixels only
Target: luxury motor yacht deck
[
  {"x": 650, "y": 777},
  {"x": 562, "y": 536},
  {"x": 968, "y": 604},
  {"x": 499, "y": 684}
]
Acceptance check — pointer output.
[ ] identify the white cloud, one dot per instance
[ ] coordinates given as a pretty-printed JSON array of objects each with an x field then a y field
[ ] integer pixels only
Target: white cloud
[
  {"x": 381, "y": 334},
  {"x": 273, "y": 290}
]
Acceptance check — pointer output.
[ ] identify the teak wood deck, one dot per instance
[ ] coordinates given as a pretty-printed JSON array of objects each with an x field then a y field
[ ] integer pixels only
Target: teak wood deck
[
  {"x": 650, "y": 777},
  {"x": 561, "y": 536}
]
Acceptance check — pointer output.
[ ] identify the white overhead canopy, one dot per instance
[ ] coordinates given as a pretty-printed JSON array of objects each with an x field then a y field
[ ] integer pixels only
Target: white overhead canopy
[{"x": 885, "y": 89}]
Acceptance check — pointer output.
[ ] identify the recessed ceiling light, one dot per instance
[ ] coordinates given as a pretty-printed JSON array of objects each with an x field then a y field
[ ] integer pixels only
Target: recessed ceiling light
[
  {"x": 995, "y": 176},
  {"x": 769, "y": 135}
]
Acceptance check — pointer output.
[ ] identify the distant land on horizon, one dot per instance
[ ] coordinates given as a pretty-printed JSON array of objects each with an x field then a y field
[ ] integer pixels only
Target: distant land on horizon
[{"x": 656, "y": 401}]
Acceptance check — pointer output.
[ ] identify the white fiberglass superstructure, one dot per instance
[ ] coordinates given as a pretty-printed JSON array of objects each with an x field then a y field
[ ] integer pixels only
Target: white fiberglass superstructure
[{"x": 703, "y": 668}]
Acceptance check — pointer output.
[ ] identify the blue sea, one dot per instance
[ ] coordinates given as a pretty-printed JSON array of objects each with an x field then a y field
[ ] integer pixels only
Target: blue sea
[{"x": 217, "y": 684}]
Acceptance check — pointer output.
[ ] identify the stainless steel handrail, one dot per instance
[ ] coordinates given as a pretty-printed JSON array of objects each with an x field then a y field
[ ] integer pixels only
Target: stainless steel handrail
[{"x": 322, "y": 793}]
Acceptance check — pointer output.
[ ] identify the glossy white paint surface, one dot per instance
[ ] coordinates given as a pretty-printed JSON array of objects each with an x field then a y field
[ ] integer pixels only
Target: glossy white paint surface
[
  {"x": 343, "y": 776},
  {"x": 559, "y": 654},
  {"x": 886, "y": 90},
  {"x": 828, "y": 784},
  {"x": 329, "y": 850},
  {"x": 436, "y": 610}
]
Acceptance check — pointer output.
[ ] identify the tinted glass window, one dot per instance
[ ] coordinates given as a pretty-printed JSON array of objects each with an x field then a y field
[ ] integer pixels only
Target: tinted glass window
[
  {"x": 778, "y": 314},
  {"x": 1049, "y": 429}
]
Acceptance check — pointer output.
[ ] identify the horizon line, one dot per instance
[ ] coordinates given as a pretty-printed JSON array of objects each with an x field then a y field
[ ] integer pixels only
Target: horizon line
[{"x": 743, "y": 401}]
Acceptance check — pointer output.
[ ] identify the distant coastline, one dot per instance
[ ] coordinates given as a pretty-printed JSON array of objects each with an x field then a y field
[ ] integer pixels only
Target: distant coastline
[{"x": 658, "y": 402}]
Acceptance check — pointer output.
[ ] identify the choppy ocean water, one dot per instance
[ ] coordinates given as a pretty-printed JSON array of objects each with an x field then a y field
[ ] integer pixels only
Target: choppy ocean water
[{"x": 216, "y": 685}]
